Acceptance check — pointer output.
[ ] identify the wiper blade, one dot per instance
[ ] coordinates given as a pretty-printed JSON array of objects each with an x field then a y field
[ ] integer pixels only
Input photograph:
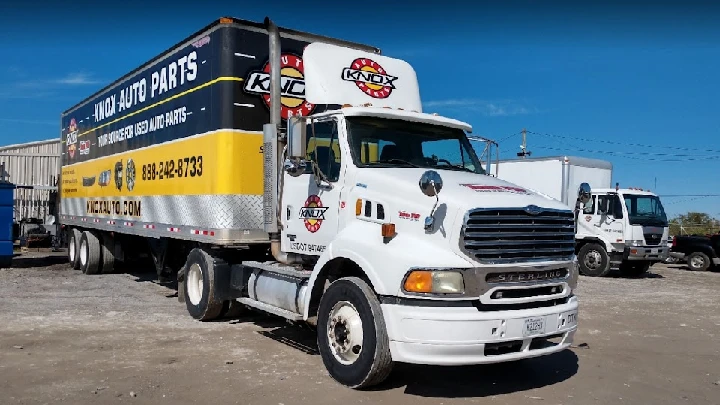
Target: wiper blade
[{"x": 396, "y": 161}]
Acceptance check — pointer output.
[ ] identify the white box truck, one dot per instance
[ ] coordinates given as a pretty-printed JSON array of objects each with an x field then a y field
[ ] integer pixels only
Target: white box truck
[
  {"x": 297, "y": 175},
  {"x": 627, "y": 227}
]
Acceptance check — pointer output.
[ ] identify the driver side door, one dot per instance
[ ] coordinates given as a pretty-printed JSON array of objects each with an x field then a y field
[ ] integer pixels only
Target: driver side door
[
  {"x": 311, "y": 210},
  {"x": 605, "y": 218}
]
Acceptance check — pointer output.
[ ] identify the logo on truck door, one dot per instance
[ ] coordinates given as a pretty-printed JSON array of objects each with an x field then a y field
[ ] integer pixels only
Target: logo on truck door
[
  {"x": 313, "y": 213},
  {"x": 370, "y": 78},
  {"x": 292, "y": 80}
]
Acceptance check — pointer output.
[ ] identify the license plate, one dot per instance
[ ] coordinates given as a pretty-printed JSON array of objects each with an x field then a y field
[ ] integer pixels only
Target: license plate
[
  {"x": 572, "y": 319},
  {"x": 654, "y": 251},
  {"x": 534, "y": 326}
]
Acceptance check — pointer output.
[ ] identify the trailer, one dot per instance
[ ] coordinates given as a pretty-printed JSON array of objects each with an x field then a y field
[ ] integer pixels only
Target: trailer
[
  {"x": 625, "y": 227},
  {"x": 270, "y": 169}
]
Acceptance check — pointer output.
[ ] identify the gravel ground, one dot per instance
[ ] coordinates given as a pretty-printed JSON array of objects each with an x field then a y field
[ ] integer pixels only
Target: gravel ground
[{"x": 70, "y": 338}]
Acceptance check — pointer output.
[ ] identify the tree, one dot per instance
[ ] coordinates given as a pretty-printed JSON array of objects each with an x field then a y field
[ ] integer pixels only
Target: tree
[{"x": 694, "y": 223}]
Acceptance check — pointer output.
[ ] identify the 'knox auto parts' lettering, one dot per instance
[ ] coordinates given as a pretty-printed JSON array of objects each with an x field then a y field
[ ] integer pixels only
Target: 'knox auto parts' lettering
[{"x": 127, "y": 208}]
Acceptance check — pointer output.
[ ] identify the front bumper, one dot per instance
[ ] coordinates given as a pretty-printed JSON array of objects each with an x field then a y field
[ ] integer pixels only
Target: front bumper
[
  {"x": 646, "y": 253},
  {"x": 465, "y": 335}
]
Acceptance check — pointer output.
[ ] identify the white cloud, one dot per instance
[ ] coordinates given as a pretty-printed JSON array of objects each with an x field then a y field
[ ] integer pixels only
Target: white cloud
[
  {"x": 77, "y": 79},
  {"x": 499, "y": 108}
]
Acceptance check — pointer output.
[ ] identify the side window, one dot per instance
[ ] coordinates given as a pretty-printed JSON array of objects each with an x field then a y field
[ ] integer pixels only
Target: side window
[
  {"x": 590, "y": 207},
  {"x": 602, "y": 205},
  {"x": 323, "y": 148}
]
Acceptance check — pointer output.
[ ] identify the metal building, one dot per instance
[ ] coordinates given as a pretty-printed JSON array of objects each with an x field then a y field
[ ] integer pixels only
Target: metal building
[{"x": 36, "y": 165}]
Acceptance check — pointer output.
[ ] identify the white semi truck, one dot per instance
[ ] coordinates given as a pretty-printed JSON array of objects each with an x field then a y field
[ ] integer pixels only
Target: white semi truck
[
  {"x": 627, "y": 227},
  {"x": 297, "y": 175}
]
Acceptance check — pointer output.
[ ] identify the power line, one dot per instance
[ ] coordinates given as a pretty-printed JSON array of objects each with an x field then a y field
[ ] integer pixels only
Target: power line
[
  {"x": 688, "y": 195},
  {"x": 641, "y": 156},
  {"x": 625, "y": 143}
]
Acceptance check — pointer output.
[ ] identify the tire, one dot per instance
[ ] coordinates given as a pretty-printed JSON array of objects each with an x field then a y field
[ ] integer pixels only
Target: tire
[
  {"x": 90, "y": 254},
  {"x": 351, "y": 299},
  {"x": 698, "y": 261},
  {"x": 108, "y": 254},
  {"x": 74, "y": 248},
  {"x": 199, "y": 284},
  {"x": 634, "y": 269},
  {"x": 593, "y": 260}
]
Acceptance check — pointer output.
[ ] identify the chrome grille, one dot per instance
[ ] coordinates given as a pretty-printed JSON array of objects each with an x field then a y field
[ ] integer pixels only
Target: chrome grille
[{"x": 517, "y": 235}]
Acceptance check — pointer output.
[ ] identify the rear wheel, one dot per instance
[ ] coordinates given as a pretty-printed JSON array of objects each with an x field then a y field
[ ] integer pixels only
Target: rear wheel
[
  {"x": 698, "y": 261},
  {"x": 73, "y": 248},
  {"x": 90, "y": 255},
  {"x": 352, "y": 338},
  {"x": 593, "y": 260},
  {"x": 199, "y": 283}
]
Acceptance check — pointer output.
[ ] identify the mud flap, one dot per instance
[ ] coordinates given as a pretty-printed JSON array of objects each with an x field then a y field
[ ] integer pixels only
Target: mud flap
[{"x": 181, "y": 284}]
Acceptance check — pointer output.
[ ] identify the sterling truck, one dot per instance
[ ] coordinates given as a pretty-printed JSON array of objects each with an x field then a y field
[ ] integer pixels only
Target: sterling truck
[
  {"x": 627, "y": 227},
  {"x": 297, "y": 175}
]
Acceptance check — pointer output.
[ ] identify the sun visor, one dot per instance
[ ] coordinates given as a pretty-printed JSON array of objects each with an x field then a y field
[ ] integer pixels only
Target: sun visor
[{"x": 338, "y": 75}]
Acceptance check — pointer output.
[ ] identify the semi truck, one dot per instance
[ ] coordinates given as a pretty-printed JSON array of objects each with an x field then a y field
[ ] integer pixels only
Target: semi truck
[
  {"x": 295, "y": 174},
  {"x": 623, "y": 227}
]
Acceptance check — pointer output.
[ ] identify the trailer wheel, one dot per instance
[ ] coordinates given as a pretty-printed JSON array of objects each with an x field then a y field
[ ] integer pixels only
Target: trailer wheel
[
  {"x": 74, "y": 248},
  {"x": 108, "y": 253},
  {"x": 593, "y": 260},
  {"x": 698, "y": 261},
  {"x": 90, "y": 254},
  {"x": 352, "y": 338},
  {"x": 634, "y": 269},
  {"x": 199, "y": 286}
]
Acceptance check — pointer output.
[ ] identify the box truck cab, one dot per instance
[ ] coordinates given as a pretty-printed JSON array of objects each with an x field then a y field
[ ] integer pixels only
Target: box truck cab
[
  {"x": 623, "y": 227},
  {"x": 627, "y": 227},
  {"x": 371, "y": 220}
]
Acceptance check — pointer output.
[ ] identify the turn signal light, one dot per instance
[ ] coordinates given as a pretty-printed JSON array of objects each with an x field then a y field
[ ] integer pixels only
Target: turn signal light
[
  {"x": 388, "y": 230},
  {"x": 358, "y": 206},
  {"x": 225, "y": 20},
  {"x": 419, "y": 281}
]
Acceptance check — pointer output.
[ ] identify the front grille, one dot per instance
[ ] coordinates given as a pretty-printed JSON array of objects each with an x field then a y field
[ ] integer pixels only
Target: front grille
[
  {"x": 514, "y": 235},
  {"x": 653, "y": 239}
]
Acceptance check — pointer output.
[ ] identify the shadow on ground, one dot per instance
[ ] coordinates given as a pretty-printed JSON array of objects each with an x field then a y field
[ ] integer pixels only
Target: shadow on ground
[{"x": 442, "y": 382}]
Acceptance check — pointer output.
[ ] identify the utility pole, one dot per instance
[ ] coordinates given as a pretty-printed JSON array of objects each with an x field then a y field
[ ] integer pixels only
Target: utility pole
[{"x": 524, "y": 152}]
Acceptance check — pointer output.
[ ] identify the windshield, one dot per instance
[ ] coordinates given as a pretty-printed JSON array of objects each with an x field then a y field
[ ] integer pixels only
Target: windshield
[
  {"x": 645, "y": 210},
  {"x": 381, "y": 142}
]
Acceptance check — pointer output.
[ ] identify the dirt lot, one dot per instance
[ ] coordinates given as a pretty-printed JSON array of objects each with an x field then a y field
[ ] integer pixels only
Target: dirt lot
[{"x": 70, "y": 338}]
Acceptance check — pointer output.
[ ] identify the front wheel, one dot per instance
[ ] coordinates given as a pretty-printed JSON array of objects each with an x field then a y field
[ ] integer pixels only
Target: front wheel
[
  {"x": 593, "y": 260},
  {"x": 352, "y": 338}
]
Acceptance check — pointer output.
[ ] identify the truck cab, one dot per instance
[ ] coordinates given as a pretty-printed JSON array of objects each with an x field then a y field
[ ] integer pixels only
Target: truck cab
[
  {"x": 627, "y": 227},
  {"x": 412, "y": 252}
]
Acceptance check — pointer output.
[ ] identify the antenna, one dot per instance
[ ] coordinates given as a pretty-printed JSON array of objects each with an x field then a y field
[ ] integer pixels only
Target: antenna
[{"x": 523, "y": 148}]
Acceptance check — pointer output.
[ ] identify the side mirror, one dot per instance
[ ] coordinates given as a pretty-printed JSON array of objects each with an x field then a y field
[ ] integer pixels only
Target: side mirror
[
  {"x": 584, "y": 193},
  {"x": 430, "y": 183},
  {"x": 297, "y": 141}
]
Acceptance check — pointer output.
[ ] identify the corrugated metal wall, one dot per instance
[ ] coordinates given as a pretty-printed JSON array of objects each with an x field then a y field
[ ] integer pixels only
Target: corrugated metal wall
[{"x": 31, "y": 164}]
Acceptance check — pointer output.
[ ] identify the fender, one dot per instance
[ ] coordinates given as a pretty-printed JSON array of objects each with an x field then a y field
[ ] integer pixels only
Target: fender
[
  {"x": 385, "y": 264},
  {"x": 597, "y": 239}
]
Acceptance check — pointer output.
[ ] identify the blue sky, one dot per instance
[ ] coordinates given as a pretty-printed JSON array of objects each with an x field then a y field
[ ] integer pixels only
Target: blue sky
[{"x": 585, "y": 79}]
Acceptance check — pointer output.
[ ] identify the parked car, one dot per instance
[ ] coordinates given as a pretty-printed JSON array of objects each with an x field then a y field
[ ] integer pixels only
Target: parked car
[{"x": 700, "y": 252}]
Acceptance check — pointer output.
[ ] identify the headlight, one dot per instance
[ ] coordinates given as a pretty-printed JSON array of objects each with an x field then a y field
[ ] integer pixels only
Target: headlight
[
  {"x": 634, "y": 242},
  {"x": 434, "y": 282}
]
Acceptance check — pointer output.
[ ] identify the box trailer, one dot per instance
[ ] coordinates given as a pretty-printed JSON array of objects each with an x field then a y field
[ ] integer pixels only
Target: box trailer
[
  {"x": 627, "y": 227},
  {"x": 297, "y": 174}
]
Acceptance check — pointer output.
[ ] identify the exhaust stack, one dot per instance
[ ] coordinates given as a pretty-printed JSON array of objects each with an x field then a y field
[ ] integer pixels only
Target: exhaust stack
[{"x": 273, "y": 142}]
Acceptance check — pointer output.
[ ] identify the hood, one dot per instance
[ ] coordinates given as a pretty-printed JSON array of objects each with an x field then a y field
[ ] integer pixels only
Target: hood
[{"x": 460, "y": 189}]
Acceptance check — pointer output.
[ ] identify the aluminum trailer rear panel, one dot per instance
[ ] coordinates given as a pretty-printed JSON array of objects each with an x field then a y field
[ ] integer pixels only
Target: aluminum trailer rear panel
[{"x": 556, "y": 176}]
